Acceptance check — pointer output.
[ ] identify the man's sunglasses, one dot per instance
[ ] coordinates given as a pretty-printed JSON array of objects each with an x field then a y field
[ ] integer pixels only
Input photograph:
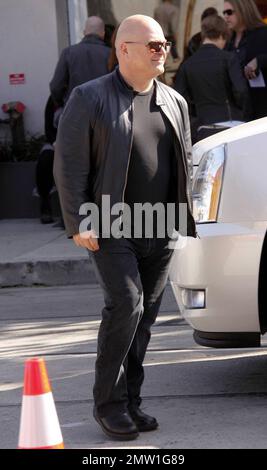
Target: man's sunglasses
[
  {"x": 154, "y": 46},
  {"x": 228, "y": 12}
]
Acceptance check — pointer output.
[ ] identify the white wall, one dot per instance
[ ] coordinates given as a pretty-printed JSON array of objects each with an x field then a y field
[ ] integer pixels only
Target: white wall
[
  {"x": 77, "y": 18},
  {"x": 125, "y": 8},
  {"x": 201, "y": 5},
  {"x": 28, "y": 38}
]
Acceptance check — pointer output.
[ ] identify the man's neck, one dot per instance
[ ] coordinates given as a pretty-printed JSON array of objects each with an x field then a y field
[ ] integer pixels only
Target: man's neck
[
  {"x": 92, "y": 35},
  {"x": 138, "y": 84},
  {"x": 209, "y": 41}
]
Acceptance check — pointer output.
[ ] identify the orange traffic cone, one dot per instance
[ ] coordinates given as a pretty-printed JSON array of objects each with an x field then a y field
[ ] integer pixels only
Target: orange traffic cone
[{"x": 39, "y": 426}]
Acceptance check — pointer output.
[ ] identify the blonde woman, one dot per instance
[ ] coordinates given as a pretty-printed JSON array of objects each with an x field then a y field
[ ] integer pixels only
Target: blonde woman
[{"x": 249, "y": 42}]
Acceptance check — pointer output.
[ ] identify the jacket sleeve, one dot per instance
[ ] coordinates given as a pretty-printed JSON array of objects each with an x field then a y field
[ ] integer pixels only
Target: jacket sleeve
[
  {"x": 257, "y": 45},
  {"x": 239, "y": 85},
  {"x": 72, "y": 160},
  {"x": 60, "y": 81},
  {"x": 191, "y": 227},
  {"x": 188, "y": 142},
  {"x": 262, "y": 61},
  {"x": 186, "y": 139},
  {"x": 181, "y": 84}
]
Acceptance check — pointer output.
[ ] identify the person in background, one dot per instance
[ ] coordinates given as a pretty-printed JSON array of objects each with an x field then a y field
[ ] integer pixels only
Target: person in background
[
  {"x": 81, "y": 62},
  {"x": 196, "y": 41},
  {"x": 249, "y": 43},
  {"x": 109, "y": 31},
  {"x": 212, "y": 80},
  {"x": 168, "y": 15},
  {"x": 113, "y": 60},
  {"x": 44, "y": 167}
]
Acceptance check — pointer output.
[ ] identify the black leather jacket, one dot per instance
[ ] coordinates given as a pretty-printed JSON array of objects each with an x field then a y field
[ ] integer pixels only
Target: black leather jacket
[{"x": 94, "y": 142}]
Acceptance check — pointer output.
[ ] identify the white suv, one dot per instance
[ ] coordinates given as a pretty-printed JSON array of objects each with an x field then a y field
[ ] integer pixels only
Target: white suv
[{"x": 220, "y": 279}]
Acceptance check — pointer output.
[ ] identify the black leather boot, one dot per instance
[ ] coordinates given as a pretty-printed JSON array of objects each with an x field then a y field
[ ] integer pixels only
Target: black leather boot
[
  {"x": 118, "y": 425},
  {"x": 46, "y": 211},
  {"x": 143, "y": 421}
]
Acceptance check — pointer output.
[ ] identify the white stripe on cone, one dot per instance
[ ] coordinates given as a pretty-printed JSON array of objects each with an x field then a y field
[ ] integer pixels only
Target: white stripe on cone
[{"x": 39, "y": 426}]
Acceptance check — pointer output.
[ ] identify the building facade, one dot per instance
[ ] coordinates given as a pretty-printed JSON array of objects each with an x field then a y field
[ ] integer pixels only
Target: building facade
[{"x": 32, "y": 35}]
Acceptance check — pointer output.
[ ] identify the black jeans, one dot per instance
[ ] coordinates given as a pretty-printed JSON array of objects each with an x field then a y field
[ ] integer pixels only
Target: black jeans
[{"x": 133, "y": 274}]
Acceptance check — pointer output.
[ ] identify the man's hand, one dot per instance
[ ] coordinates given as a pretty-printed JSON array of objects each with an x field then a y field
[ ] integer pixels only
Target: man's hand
[
  {"x": 251, "y": 69},
  {"x": 86, "y": 240}
]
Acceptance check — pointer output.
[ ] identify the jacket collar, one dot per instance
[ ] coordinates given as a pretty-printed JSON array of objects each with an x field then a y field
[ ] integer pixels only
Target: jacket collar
[
  {"x": 93, "y": 39},
  {"x": 128, "y": 91},
  {"x": 242, "y": 42},
  {"x": 208, "y": 46}
]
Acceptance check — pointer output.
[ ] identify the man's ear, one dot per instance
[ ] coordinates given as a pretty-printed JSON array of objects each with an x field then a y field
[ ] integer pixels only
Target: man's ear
[{"x": 124, "y": 48}]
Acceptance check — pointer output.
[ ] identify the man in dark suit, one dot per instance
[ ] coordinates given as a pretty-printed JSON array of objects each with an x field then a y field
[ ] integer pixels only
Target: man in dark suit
[{"x": 81, "y": 62}]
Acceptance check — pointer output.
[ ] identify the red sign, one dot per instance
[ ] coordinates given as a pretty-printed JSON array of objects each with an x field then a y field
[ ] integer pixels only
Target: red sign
[{"x": 17, "y": 78}]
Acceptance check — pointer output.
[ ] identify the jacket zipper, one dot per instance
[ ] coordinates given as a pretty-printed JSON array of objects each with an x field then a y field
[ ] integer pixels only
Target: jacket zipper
[
  {"x": 129, "y": 156},
  {"x": 128, "y": 163}
]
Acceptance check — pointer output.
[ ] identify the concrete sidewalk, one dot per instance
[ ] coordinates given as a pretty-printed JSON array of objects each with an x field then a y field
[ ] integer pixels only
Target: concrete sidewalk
[{"x": 35, "y": 254}]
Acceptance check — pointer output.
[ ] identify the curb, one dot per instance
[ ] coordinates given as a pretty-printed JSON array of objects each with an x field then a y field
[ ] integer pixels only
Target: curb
[{"x": 47, "y": 273}]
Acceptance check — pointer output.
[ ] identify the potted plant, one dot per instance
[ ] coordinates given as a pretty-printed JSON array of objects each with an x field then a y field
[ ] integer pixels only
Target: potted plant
[{"x": 18, "y": 156}]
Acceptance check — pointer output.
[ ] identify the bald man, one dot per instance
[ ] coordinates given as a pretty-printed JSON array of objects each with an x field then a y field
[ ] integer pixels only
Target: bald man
[
  {"x": 125, "y": 138},
  {"x": 81, "y": 62}
]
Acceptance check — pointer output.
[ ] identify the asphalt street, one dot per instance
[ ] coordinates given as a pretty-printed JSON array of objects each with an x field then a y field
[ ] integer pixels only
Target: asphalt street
[{"x": 202, "y": 398}]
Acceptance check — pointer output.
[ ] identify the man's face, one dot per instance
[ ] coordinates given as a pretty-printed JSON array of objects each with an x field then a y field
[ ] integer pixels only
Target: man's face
[{"x": 141, "y": 57}]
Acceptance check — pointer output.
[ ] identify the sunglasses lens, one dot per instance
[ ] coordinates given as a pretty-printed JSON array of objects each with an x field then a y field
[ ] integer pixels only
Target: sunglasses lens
[
  {"x": 228, "y": 12},
  {"x": 157, "y": 46}
]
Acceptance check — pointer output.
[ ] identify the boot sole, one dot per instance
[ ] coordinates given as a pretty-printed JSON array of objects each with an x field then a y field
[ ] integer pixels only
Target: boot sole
[{"x": 146, "y": 428}]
